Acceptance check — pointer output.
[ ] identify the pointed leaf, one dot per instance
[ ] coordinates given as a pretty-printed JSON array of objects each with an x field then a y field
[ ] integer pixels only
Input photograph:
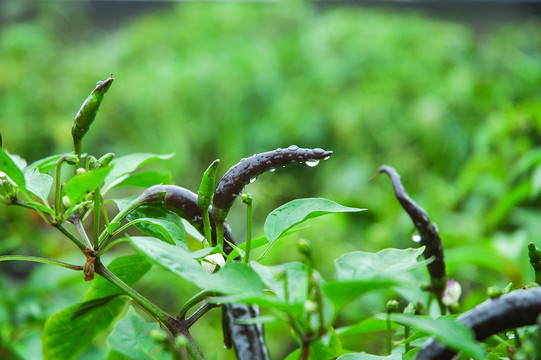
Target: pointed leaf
[
  {"x": 455, "y": 335},
  {"x": 144, "y": 179},
  {"x": 38, "y": 184},
  {"x": 234, "y": 278},
  {"x": 8, "y": 166},
  {"x": 388, "y": 262},
  {"x": 131, "y": 337},
  {"x": 343, "y": 292},
  {"x": 70, "y": 331},
  {"x": 125, "y": 165},
  {"x": 297, "y": 211},
  {"x": 160, "y": 223}
]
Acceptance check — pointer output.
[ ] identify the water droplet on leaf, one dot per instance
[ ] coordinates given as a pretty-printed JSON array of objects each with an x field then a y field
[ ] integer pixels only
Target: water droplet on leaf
[
  {"x": 252, "y": 180},
  {"x": 312, "y": 163},
  {"x": 272, "y": 169},
  {"x": 293, "y": 148},
  {"x": 416, "y": 238}
]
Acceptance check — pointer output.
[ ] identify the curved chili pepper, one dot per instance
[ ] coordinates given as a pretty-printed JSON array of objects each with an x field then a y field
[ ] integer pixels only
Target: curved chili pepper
[
  {"x": 88, "y": 111},
  {"x": 516, "y": 309},
  {"x": 249, "y": 168},
  {"x": 428, "y": 231}
]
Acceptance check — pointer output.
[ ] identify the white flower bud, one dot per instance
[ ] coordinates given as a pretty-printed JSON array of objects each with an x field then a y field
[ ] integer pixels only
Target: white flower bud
[
  {"x": 210, "y": 262},
  {"x": 452, "y": 293}
]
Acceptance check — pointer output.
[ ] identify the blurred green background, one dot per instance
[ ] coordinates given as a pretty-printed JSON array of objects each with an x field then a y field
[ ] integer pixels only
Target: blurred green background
[{"x": 456, "y": 111}]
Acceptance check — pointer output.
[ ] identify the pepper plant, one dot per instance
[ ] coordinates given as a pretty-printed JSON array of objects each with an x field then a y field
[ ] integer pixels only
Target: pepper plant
[{"x": 69, "y": 191}]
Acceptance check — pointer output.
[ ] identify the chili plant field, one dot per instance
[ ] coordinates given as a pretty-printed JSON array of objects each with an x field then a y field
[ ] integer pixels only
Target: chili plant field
[{"x": 301, "y": 238}]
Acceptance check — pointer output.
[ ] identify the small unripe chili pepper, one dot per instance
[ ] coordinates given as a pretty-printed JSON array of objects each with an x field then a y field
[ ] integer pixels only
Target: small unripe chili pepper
[
  {"x": 87, "y": 113},
  {"x": 105, "y": 160},
  {"x": 248, "y": 169},
  {"x": 428, "y": 231},
  {"x": 206, "y": 189}
]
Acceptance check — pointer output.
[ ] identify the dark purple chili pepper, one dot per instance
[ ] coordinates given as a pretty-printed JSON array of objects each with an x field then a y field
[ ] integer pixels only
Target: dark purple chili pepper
[
  {"x": 516, "y": 309},
  {"x": 249, "y": 168},
  {"x": 247, "y": 339},
  {"x": 427, "y": 230}
]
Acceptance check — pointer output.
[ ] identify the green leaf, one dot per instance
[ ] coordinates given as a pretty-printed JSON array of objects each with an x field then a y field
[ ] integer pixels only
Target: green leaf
[
  {"x": 79, "y": 186},
  {"x": 328, "y": 347},
  {"x": 144, "y": 179},
  {"x": 46, "y": 164},
  {"x": 234, "y": 278},
  {"x": 124, "y": 165},
  {"x": 367, "y": 326},
  {"x": 297, "y": 211},
  {"x": 365, "y": 356},
  {"x": 131, "y": 337},
  {"x": 38, "y": 184},
  {"x": 70, "y": 331},
  {"x": 388, "y": 262},
  {"x": 160, "y": 223},
  {"x": 455, "y": 335},
  {"x": 343, "y": 292},
  {"x": 9, "y": 167},
  {"x": 130, "y": 269}
]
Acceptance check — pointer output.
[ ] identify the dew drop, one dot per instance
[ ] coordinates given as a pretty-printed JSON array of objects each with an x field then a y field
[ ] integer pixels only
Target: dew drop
[
  {"x": 416, "y": 238},
  {"x": 278, "y": 150},
  {"x": 318, "y": 151},
  {"x": 272, "y": 169},
  {"x": 326, "y": 158},
  {"x": 293, "y": 148},
  {"x": 252, "y": 180},
  {"x": 312, "y": 163}
]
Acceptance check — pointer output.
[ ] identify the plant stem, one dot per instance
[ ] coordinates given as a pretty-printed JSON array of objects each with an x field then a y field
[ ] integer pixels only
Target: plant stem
[
  {"x": 407, "y": 331},
  {"x": 82, "y": 232},
  {"x": 97, "y": 213},
  {"x": 219, "y": 235},
  {"x": 248, "y": 201},
  {"x": 389, "y": 335},
  {"x": 41, "y": 260},
  {"x": 200, "y": 312},
  {"x": 206, "y": 228},
  {"x": 202, "y": 295}
]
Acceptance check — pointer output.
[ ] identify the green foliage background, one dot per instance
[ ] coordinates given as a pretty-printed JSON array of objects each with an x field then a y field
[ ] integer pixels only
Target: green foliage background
[{"x": 456, "y": 112}]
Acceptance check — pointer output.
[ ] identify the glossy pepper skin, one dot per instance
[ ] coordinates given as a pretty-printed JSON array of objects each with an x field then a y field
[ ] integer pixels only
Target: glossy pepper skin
[
  {"x": 428, "y": 231},
  {"x": 516, "y": 309},
  {"x": 239, "y": 175},
  {"x": 88, "y": 111},
  {"x": 247, "y": 340}
]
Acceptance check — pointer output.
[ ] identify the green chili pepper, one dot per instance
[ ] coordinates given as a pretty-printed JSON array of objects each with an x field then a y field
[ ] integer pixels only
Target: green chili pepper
[
  {"x": 105, "y": 160},
  {"x": 206, "y": 189},
  {"x": 87, "y": 113},
  {"x": 535, "y": 260}
]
